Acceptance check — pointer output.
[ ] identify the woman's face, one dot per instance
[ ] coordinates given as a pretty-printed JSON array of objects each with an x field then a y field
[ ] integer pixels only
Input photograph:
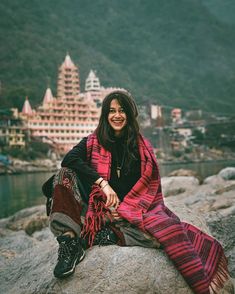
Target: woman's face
[{"x": 117, "y": 117}]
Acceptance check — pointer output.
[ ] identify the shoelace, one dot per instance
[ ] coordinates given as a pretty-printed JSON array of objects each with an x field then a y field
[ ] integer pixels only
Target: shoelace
[{"x": 64, "y": 251}]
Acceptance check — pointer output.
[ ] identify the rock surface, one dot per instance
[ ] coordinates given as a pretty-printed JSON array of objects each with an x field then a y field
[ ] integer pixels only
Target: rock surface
[
  {"x": 110, "y": 269},
  {"x": 227, "y": 173},
  {"x": 178, "y": 184},
  {"x": 214, "y": 200},
  {"x": 28, "y": 256},
  {"x": 185, "y": 173}
]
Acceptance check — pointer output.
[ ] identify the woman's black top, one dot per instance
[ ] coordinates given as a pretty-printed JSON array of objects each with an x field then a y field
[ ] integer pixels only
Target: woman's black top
[{"x": 76, "y": 159}]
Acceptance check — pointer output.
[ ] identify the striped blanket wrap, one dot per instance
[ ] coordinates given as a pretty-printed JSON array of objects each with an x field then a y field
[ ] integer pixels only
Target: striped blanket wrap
[{"x": 198, "y": 256}]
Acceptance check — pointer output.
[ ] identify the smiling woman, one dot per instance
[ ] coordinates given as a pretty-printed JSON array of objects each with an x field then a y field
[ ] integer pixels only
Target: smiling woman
[{"x": 112, "y": 175}]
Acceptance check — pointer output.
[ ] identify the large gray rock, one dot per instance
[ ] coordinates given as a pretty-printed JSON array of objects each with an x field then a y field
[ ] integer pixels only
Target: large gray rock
[
  {"x": 27, "y": 263},
  {"x": 227, "y": 173},
  {"x": 185, "y": 173},
  {"x": 214, "y": 181},
  {"x": 222, "y": 227},
  {"x": 110, "y": 269},
  {"x": 27, "y": 258},
  {"x": 29, "y": 219},
  {"x": 176, "y": 185},
  {"x": 215, "y": 200}
]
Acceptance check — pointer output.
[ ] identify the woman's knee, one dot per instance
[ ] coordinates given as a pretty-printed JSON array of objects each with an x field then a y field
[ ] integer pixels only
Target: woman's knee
[
  {"x": 64, "y": 176},
  {"x": 65, "y": 170}
]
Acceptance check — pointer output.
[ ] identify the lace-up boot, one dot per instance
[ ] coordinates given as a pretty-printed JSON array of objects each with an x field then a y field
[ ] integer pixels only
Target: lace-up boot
[
  {"x": 70, "y": 253},
  {"x": 105, "y": 236}
]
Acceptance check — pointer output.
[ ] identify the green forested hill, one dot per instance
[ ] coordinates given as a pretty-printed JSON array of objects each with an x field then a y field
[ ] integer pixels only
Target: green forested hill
[
  {"x": 223, "y": 10},
  {"x": 176, "y": 53}
]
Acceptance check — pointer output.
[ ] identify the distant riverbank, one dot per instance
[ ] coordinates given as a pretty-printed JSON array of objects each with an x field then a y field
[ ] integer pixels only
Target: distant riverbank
[
  {"x": 48, "y": 165},
  {"x": 185, "y": 162},
  {"x": 23, "y": 189},
  {"x": 20, "y": 166},
  {"x": 202, "y": 168}
]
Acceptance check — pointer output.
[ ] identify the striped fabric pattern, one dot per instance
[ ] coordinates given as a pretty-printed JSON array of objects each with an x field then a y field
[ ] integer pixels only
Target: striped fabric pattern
[{"x": 198, "y": 256}]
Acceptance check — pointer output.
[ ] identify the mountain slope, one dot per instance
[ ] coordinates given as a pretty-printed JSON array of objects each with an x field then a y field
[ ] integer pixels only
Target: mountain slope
[
  {"x": 223, "y": 10},
  {"x": 175, "y": 53}
]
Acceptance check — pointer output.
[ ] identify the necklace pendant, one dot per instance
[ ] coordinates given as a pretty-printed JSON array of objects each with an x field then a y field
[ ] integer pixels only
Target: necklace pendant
[{"x": 118, "y": 172}]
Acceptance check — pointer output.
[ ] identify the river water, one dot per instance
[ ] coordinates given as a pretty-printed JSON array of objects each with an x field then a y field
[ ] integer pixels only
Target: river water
[{"x": 24, "y": 190}]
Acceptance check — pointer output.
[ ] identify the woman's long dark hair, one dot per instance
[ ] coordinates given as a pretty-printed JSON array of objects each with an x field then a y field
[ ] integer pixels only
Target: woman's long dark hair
[{"x": 105, "y": 132}]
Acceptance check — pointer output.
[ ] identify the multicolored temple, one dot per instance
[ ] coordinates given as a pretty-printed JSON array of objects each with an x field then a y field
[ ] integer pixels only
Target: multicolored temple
[{"x": 64, "y": 120}]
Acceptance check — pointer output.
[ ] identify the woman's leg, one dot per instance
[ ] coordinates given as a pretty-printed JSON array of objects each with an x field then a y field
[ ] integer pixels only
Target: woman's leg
[
  {"x": 65, "y": 221},
  {"x": 134, "y": 237},
  {"x": 67, "y": 207}
]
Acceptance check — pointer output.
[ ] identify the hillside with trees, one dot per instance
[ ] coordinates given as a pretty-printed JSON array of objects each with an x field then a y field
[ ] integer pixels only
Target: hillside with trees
[{"x": 175, "y": 53}]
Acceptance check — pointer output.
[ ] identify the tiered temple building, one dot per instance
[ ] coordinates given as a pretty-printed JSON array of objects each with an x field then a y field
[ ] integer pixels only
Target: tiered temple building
[{"x": 64, "y": 121}]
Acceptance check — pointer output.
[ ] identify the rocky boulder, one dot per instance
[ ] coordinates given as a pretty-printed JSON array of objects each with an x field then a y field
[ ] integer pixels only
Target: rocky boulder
[
  {"x": 214, "y": 200},
  {"x": 27, "y": 263},
  {"x": 172, "y": 186},
  {"x": 28, "y": 251},
  {"x": 227, "y": 173},
  {"x": 30, "y": 220},
  {"x": 185, "y": 173}
]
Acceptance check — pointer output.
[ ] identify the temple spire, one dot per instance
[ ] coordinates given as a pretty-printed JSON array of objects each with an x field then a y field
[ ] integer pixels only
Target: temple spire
[
  {"x": 68, "y": 63},
  {"x": 27, "y": 109},
  {"x": 92, "y": 82},
  {"x": 68, "y": 84},
  {"x": 48, "y": 97}
]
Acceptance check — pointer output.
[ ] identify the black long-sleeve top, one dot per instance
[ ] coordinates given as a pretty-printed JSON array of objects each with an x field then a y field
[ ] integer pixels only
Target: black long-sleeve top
[{"x": 76, "y": 159}]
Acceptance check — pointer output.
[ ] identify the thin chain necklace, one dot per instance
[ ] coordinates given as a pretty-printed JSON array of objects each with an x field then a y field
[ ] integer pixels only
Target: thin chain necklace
[{"x": 120, "y": 164}]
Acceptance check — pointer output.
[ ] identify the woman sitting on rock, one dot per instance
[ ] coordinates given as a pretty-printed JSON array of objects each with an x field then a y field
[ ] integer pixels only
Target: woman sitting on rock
[{"x": 112, "y": 179}]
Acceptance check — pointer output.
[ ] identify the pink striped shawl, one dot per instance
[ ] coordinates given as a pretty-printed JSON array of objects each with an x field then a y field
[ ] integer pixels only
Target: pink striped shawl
[{"x": 198, "y": 256}]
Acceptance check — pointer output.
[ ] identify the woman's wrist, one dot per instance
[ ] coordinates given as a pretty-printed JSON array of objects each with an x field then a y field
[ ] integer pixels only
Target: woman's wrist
[
  {"x": 101, "y": 183},
  {"x": 98, "y": 182},
  {"x": 104, "y": 184}
]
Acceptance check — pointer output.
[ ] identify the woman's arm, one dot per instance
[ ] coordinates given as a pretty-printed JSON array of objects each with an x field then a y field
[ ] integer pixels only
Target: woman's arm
[{"x": 76, "y": 159}]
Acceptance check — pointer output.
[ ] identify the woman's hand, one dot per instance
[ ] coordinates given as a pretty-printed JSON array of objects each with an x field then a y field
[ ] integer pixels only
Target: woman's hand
[
  {"x": 112, "y": 198},
  {"x": 115, "y": 214}
]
